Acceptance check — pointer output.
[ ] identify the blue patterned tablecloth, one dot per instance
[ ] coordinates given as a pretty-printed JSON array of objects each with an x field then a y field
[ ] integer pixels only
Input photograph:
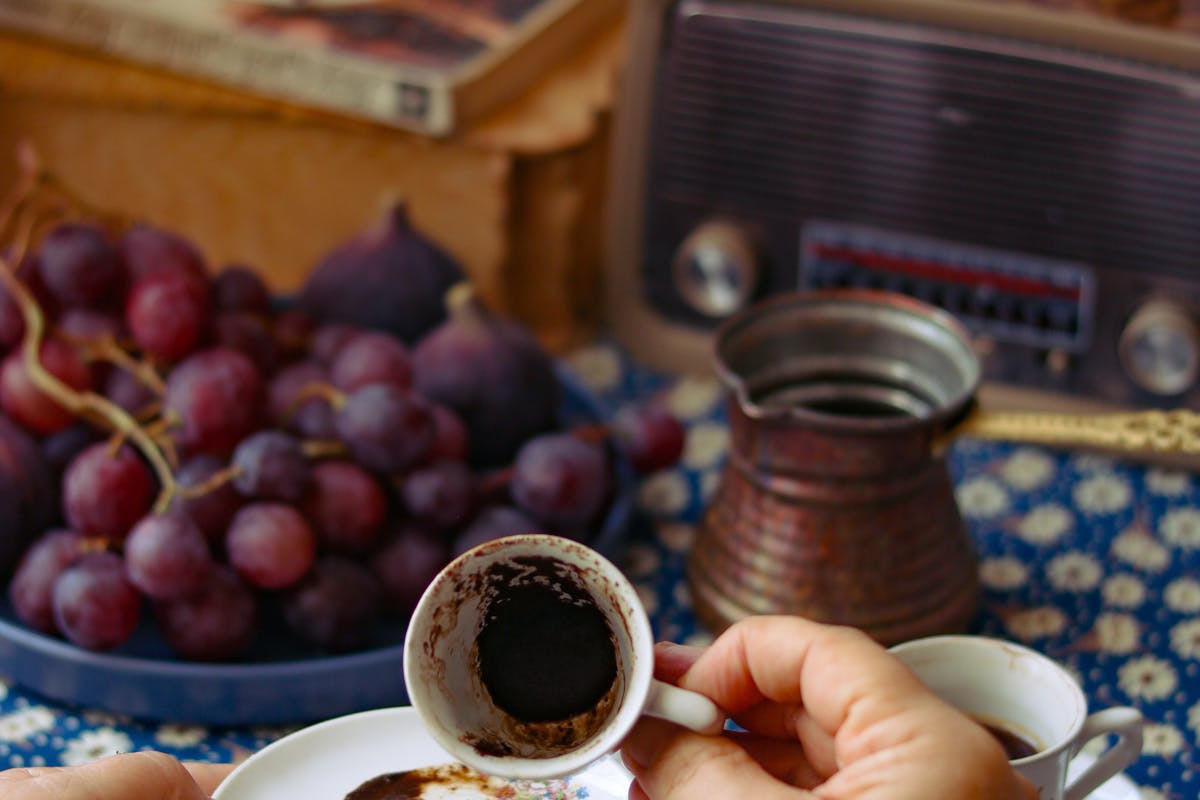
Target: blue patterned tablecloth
[{"x": 1092, "y": 561}]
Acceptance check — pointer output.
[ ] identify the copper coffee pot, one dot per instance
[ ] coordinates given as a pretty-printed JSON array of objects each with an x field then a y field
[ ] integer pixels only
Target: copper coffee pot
[{"x": 836, "y": 502}]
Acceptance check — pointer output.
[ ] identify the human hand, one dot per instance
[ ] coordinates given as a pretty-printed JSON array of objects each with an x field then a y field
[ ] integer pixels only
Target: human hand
[
  {"x": 129, "y": 776},
  {"x": 828, "y": 714}
]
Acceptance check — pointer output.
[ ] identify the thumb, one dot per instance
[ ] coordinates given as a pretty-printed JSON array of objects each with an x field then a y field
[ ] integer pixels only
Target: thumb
[{"x": 671, "y": 763}]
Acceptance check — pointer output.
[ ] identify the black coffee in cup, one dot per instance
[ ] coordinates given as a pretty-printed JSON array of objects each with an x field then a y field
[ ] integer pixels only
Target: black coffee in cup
[
  {"x": 1015, "y": 746},
  {"x": 546, "y": 651}
]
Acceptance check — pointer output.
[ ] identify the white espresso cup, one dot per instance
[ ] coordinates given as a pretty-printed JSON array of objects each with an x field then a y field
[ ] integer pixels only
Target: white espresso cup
[
  {"x": 531, "y": 657},
  {"x": 1024, "y": 694}
]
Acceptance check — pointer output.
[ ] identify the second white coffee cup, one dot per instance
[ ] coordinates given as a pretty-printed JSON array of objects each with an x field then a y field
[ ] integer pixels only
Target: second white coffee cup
[{"x": 449, "y": 659}]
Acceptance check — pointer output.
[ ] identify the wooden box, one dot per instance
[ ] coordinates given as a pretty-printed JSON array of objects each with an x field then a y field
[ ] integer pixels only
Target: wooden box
[{"x": 517, "y": 197}]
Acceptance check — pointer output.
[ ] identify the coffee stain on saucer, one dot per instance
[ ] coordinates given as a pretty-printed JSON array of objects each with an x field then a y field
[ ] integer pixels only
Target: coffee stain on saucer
[{"x": 459, "y": 782}]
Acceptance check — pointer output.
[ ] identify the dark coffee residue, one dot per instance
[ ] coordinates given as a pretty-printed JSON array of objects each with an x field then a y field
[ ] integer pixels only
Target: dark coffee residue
[
  {"x": 546, "y": 651},
  {"x": 411, "y": 784}
]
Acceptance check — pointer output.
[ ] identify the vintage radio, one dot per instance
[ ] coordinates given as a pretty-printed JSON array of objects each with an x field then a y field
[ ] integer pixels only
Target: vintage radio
[{"x": 1034, "y": 171}]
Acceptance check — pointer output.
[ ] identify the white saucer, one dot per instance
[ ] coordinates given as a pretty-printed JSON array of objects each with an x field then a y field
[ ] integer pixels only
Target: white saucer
[{"x": 332, "y": 758}]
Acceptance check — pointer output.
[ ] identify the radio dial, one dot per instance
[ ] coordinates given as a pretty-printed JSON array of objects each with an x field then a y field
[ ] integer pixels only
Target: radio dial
[
  {"x": 716, "y": 268},
  {"x": 1160, "y": 348}
]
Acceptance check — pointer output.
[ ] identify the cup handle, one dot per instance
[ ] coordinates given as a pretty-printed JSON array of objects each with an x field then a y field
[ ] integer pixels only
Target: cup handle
[
  {"x": 1126, "y": 724},
  {"x": 689, "y": 709}
]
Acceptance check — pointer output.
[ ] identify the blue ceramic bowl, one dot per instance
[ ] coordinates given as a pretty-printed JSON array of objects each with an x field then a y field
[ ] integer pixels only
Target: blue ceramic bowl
[{"x": 279, "y": 681}]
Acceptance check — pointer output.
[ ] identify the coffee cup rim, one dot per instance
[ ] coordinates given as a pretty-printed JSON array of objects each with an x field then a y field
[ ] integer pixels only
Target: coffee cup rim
[
  {"x": 992, "y": 643},
  {"x": 637, "y": 679}
]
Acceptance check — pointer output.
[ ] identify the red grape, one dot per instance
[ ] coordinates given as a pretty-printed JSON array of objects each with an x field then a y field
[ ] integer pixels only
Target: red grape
[
  {"x": 386, "y": 429},
  {"x": 271, "y": 466},
  {"x": 12, "y": 321},
  {"x": 166, "y": 312},
  {"x": 146, "y": 249},
  {"x": 249, "y": 335},
  {"x": 166, "y": 556},
  {"x": 213, "y": 510},
  {"x": 312, "y": 417},
  {"x": 239, "y": 288},
  {"x": 95, "y": 605},
  {"x": 217, "y": 624},
  {"x": 79, "y": 265},
  {"x": 560, "y": 480},
  {"x": 329, "y": 338},
  {"x": 406, "y": 564},
  {"x": 450, "y": 440},
  {"x": 106, "y": 493},
  {"x": 270, "y": 545},
  {"x": 128, "y": 391},
  {"x": 25, "y": 403},
  {"x": 492, "y": 523},
  {"x": 336, "y": 606},
  {"x": 649, "y": 436},
  {"x": 215, "y": 398},
  {"x": 442, "y": 494},
  {"x": 346, "y": 506},
  {"x": 32, "y": 587},
  {"x": 371, "y": 358}
]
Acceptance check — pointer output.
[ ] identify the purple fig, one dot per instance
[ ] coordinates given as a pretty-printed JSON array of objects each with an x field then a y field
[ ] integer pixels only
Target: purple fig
[{"x": 388, "y": 277}]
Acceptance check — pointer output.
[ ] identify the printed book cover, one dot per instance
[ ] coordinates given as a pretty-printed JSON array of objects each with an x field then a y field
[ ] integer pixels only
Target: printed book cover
[{"x": 425, "y": 65}]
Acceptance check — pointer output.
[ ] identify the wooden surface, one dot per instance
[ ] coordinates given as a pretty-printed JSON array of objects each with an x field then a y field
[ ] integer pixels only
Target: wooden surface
[{"x": 516, "y": 198}]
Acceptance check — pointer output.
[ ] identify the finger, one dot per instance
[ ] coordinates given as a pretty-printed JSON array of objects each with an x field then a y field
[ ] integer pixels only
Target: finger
[
  {"x": 785, "y": 760},
  {"x": 672, "y": 660},
  {"x": 671, "y": 763},
  {"x": 143, "y": 774},
  {"x": 791, "y": 722},
  {"x": 636, "y": 792},
  {"x": 830, "y": 670},
  {"x": 206, "y": 775}
]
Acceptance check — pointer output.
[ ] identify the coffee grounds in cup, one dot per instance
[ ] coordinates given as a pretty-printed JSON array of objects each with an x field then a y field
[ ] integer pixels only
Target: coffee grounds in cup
[{"x": 546, "y": 651}]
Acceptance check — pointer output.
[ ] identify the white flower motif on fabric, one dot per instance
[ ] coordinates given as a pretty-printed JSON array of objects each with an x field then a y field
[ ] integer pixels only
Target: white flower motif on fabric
[
  {"x": 1028, "y": 468},
  {"x": 1138, "y": 549},
  {"x": 94, "y": 744},
  {"x": 1123, "y": 591},
  {"x": 1147, "y": 678},
  {"x": 1102, "y": 493},
  {"x": 1161, "y": 740},
  {"x": 1150, "y": 794},
  {"x": 682, "y": 596},
  {"x": 1003, "y": 573},
  {"x": 641, "y": 561},
  {"x": 18, "y": 726},
  {"x": 1185, "y": 639},
  {"x": 599, "y": 367},
  {"x": 1074, "y": 572},
  {"x": 1117, "y": 633},
  {"x": 180, "y": 735},
  {"x": 1045, "y": 524},
  {"x": 1182, "y": 595},
  {"x": 982, "y": 497},
  {"x": 676, "y": 536},
  {"x": 1181, "y": 527},
  {"x": 709, "y": 481},
  {"x": 1194, "y": 718},
  {"x": 1036, "y": 623},
  {"x": 3, "y": 689},
  {"x": 692, "y": 397},
  {"x": 1092, "y": 462},
  {"x": 1168, "y": 482},
  {"x": 706, "y": 446},
  {"x": 664, "y": 493},
  {"x": 699, "y": 639}
]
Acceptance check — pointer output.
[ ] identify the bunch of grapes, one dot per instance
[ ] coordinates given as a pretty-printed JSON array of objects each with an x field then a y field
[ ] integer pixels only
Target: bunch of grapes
[{"x": 176, "y": 446}]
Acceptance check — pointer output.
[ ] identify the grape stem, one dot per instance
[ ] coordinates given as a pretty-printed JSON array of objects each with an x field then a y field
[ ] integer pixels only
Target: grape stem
[
  {"x": 87, "y": 405},
  {"x": 317, "y": 389}
]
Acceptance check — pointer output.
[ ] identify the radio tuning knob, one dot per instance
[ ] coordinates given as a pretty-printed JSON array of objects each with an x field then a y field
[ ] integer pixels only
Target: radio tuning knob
[
  {"x": 716, "y": 268},
  {"x": 1160, "y": 348}
]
